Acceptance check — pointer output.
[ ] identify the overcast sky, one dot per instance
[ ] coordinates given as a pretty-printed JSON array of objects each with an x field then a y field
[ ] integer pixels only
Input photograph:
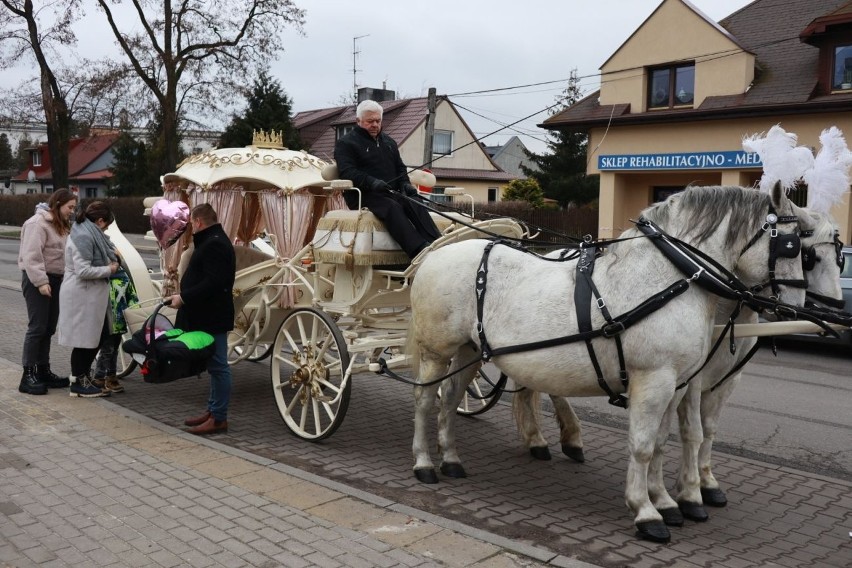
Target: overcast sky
[
  {"x": 456, "y": 46},
  {"x": 459, "y": 46}
]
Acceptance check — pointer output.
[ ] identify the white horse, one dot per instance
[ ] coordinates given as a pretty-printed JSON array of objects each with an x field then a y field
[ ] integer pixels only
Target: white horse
[
  {"x": 699, "y": 410},
  {"x": 529, "y": 299}
]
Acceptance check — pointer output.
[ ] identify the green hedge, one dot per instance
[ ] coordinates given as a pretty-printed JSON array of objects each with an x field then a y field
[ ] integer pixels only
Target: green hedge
[{"x": 129, "y": 212}]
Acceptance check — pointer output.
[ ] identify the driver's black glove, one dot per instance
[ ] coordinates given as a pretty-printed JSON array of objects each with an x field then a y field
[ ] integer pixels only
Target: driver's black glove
[
  {"x": 381, "y": 186},
  {"x": 409, "y": 190}
]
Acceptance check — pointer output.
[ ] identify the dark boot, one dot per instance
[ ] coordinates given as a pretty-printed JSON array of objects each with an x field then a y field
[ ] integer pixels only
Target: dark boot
[
  {"x": 51, "y": 379},
  {"x": 30, "y": 383}
]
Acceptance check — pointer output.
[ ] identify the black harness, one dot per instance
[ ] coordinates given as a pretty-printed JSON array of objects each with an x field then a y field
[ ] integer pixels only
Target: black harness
[
  {"x": 809, "y": 260},
  {"x": 693, "y": 263}
]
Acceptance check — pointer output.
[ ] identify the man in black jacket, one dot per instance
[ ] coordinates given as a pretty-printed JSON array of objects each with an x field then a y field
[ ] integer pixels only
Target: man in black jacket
[
  {"x": 370, "y": 158},
  {"x": 206, "y": 303}
]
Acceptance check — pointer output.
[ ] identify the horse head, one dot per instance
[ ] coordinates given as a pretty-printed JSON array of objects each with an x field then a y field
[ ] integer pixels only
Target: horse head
[
  {"x": 771, "y": 261},
  {"x": 753, "y": 234},
  {"x": 822, "y": 257}
]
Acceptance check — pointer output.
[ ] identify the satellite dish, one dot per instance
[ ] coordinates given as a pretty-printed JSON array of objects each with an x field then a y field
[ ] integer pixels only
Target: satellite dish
[{"x": 31, "y": 176}]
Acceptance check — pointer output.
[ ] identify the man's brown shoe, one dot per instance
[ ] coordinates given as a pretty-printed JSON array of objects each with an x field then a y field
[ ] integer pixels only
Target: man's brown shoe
[
  {"x": 198, "y": 420},
  {"x": 212, "y": 426}
]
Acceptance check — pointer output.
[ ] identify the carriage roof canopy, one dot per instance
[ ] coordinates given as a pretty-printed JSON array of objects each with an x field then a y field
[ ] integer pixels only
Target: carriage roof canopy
[{"x": 254, "y": 167}]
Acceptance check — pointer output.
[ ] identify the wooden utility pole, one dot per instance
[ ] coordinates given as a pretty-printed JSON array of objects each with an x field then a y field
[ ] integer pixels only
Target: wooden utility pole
[{"x": 430, "y": 129}]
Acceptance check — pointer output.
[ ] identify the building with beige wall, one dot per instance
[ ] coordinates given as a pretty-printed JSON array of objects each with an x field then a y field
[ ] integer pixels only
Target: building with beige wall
[
  {"x": 458, "y": 160},
  {"x": 679, "y": 95}
]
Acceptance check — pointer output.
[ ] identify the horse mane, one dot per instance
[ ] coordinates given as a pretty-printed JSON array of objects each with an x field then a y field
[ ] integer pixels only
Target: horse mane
[
  {"x": 699, "y": 210},
  {"x": 821, "y": 224}
]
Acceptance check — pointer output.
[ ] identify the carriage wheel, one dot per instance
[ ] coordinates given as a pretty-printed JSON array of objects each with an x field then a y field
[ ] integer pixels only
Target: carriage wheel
[
  {"x": 125, "y": 363},
  {"x": 309, "y": 362},
  {"x": 245, "y": 333},
  {"x": 261, "y": 352},
  {"x": 480, "y": 395}
]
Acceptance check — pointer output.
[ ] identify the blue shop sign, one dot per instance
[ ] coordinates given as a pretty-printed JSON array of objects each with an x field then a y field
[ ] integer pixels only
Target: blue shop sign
[{"x": 685, "y": 161}]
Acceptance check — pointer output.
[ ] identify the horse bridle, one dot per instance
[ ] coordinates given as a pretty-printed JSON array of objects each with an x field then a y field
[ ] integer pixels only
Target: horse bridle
[
  {"x": 810, "y": 258},
  {"x": 780, "y": 246}
]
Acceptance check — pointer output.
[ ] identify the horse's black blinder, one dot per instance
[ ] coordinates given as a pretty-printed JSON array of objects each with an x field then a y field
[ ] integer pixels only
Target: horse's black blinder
[
  {"x": 809, "y": 258},
  {"x": 789, "y": 246},
  {"x": 838, "y": 249}
]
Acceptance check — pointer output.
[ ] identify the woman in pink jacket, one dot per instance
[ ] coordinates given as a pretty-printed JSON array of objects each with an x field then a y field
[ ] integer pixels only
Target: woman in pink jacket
[{"x": 42, "y": 262}]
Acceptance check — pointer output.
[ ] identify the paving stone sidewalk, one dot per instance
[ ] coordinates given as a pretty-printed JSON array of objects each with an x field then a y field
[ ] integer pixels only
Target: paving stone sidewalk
[{"x": 88, "y": 483}]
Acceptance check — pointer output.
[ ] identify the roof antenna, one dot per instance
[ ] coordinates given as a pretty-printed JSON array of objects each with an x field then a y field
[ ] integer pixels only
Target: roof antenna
[{"x": 355, "y": 52}]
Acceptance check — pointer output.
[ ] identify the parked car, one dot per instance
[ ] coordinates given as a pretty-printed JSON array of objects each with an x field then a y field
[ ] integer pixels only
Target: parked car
[{"x": 846, "y": 286}]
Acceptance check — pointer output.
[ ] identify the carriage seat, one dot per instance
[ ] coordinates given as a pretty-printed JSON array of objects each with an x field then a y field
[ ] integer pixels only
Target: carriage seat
[{"x": 346, "y": 236}]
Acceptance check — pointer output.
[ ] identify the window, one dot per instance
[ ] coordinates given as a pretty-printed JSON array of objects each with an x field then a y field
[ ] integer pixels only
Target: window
[
  {"x": 442, "y": 142},
  {"x": 842, "y": 78},
  {"x": 663, "y": 192},
  {"x": 438, "y": 195},
  {"x": 671, "y": 86},
  {"x": 492, "y": 194},
  {"x": 36, "y": 158},
  {"x": 342, "y": 131},
  {"x": 91, "y": 192}
]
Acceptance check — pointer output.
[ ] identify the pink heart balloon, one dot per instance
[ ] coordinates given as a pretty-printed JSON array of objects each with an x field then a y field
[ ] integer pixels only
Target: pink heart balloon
[{"x": 168, "y": 221}]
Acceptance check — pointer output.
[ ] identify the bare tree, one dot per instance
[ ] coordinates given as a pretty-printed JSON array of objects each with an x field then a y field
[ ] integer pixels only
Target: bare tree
[
  {"x": 194, "y": 53},
  {"x": 25, "y": 32}
]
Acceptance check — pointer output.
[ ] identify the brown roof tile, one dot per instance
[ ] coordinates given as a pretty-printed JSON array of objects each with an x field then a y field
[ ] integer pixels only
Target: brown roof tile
[{"x": 786, "y": 74}]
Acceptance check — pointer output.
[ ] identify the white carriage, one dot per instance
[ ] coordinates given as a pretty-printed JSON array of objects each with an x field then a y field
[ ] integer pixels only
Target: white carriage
[{"x": 329, "y": 297}]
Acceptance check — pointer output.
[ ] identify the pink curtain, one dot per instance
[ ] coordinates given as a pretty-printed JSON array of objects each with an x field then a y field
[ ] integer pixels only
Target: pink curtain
[
  {"x": 335, "y": 201},
  {"x": 275, "y": 206},
  {"x": 226, "y": 199}
]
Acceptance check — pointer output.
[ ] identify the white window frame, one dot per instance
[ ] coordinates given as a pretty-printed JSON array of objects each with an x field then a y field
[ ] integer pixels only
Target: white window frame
[
  {"x": 36, "y": 158},
  {"x": 435, "y": 150},
  {"x": 343, "y": 130}
]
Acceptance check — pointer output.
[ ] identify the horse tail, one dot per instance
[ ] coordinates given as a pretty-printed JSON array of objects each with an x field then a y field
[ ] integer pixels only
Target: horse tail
[{"x": 412, "y": 347}]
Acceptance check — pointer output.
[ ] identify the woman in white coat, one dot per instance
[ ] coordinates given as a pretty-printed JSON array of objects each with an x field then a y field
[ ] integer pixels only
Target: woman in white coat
[{"x": 84, "y": 298}]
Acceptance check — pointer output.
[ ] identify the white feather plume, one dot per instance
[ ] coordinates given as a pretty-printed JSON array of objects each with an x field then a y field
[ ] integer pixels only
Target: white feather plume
[
  {"x": 783, "y": 161},
  {"x": 828, "y": 179}
]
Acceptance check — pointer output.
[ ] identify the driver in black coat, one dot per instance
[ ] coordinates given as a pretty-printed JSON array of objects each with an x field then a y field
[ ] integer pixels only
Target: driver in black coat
[{"x": 370, "y": 158}]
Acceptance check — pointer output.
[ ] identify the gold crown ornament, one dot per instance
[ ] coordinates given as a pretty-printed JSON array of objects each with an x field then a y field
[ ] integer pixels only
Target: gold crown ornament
[{"x": 272, "y": 139}]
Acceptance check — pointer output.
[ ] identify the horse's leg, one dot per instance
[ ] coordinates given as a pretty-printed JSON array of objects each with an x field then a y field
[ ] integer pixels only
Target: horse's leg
[
  {"x": 424, "y": 403},
  {"x": 525, "y": 408},
  {"x": 689, "y": 421},
  {"x": 712, "y": 403},
  {"x": 451, "y": 395},
  {"x": 569, "y": 429},
  {"x": 661, "y": 499},
  {"x": 650, "y": 394}
]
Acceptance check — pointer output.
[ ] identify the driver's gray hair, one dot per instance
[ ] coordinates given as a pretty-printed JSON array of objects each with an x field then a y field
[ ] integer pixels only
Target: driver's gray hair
[{"x": 368, "y": 106}]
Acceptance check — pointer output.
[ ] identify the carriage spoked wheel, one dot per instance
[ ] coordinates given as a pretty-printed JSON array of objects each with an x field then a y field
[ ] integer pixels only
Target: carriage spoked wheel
[
  {"x": 260, "y": 352},
  {"x": 309, "y": 362},
  {"x": 481, "y": 394},
  {"x": 125, "y": 363}
]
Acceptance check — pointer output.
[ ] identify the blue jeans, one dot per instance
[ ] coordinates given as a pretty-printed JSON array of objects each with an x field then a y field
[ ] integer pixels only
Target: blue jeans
[{"x": 220, "y": 378}]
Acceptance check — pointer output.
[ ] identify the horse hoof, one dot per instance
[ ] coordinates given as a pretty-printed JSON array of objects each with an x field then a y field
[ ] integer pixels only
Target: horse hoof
[
  {"x": 575, "y": 454},
  {"x": 453, "y": 470},
  {"x": 671, "y": 517},
  {"x": 426, "y": 475},
  {"x": 693, "y": 511},
  {"x": 540, "y": 453},
  {"x": 713, "y": 496},
  {"x": 654, "y": 531}
]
